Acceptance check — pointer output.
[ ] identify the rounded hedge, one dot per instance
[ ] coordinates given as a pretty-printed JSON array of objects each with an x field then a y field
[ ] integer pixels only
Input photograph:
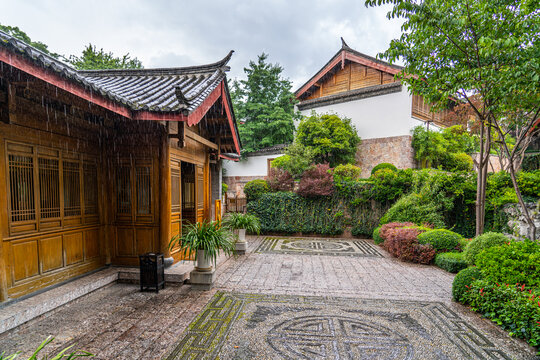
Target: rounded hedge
[
  {"x": 255, "y": 188},
  {"x": 451, "y": 261},
  {"x": 441, "y": 239},
  {"x": 463, "y": 280},
  {"x": 511, "y": 263},
  {"x": 482, "y": 242},
  {"x": 376, "y": 237},
  {"x": 460, "y": 162},
  {"x": 383, "y": 166}
]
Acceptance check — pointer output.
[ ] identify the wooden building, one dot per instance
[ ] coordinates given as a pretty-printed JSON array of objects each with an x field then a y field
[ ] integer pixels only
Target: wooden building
[{"x": 97, "y": 167}]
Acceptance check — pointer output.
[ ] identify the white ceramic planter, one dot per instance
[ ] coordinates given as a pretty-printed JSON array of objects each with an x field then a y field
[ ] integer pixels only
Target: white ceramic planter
[
  {"x": 242, "y": 235},
  {"x": 204, "y": 263}
]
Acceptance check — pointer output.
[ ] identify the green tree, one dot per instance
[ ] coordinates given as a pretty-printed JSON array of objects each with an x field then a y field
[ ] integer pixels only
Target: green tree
[
  {"x": 333, "y": 140},
  {"x": 264, "y": 104},
  {"x": 92, "y": 59},
  {"x": 485, "y": 53},
  {"x": 21, "y": 35}
]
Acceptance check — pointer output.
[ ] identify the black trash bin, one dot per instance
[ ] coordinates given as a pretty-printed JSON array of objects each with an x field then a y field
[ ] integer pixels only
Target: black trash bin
[{"x": 152, "y": 269}]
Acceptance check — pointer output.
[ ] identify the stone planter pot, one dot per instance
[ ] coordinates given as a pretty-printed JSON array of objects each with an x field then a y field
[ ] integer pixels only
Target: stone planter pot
[
  {"x": 241, "y": 235},
  {"x": 240, "y": 245},
  {"x": 204, "y": 263}
]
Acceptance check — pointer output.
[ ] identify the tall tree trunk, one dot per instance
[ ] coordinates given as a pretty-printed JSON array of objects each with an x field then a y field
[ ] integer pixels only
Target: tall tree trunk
[
  {"x": 532, "y": 228},
  {"x": 481, "y": 179}
]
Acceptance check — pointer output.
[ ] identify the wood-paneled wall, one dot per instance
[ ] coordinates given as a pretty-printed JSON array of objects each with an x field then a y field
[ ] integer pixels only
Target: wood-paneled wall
[{"x": 353, "y": 76}]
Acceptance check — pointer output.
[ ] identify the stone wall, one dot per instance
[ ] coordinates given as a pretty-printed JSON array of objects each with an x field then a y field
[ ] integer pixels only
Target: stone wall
[
  {"x": 396, "y": 150},
  {"x": 517, "y": 222}
]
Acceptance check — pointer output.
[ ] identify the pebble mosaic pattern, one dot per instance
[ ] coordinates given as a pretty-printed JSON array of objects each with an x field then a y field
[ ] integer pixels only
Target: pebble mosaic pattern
[
  {"x": 307, "y": 246},
  {"x": 256, "y": 326}
]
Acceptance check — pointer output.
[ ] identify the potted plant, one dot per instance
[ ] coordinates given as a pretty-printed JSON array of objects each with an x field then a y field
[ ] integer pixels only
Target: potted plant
[
  {"x": 240, "y": 223},
  {"x": 203, "y": 241}
]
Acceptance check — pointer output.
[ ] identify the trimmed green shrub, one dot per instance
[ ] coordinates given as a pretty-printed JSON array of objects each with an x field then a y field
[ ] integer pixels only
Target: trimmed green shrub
[
  {"x": 346, "y": 172},
  {"x": 513, "y": 307},
  {"x": 441, "y": 239},
  {"x": 416, "y": 208},
  {"x": 463, "y": 242},
  {"x": 255, "y": 188},
  {"x": 463, "y": 280},
  {"x": 377, "y": 239},
  {"x": 511, "y": 263},
  {"x": 458, "y": 162},
  {"x": 482, "y": 242},
  {"x": 287, "y": 212},
  {"x": 451, "y": 261},
  {"x": 383, "y": 166}
]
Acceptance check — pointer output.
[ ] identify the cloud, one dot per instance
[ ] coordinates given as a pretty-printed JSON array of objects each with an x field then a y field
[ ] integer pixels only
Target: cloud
[{"x": 300, "y": 35}]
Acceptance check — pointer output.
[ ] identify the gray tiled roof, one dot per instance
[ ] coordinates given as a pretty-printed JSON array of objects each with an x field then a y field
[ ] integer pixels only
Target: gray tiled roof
[{"x": 159, "y": 90}]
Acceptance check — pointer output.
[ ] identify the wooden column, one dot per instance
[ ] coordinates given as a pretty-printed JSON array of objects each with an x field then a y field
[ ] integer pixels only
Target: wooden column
[
  {"x": 165, "y": 196},
  {"x": 3, "y": 223}
]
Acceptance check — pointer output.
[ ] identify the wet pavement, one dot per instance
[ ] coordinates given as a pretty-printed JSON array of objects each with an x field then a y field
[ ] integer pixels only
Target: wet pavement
[{"x": 276, "y": 304}]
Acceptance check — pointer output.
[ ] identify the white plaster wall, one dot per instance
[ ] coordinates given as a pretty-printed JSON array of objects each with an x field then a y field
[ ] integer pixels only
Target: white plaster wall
[
  {"x": 252, "y": 166},
  {"x": 376, "y": 117}
]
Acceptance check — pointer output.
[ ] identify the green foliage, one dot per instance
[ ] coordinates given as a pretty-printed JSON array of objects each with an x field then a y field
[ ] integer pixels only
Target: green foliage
[
  {"x": 21, "y": 35},
  {"x": 92, "y": 59},
  {"x": 296, "y": 160},
  {"x": 451, "y": 261},
  {"x": 459, "y": 162},
  {"x": 224, "y": 188},
  {"x": 447, "y": 150},
  {"x": 208, "y": 236},
  {"x": 383, "y": 166},
  {"x": 482, "y": 242},
  {"x": 63, "y": 354},
  {"x": 513, "y": 307},
  {"x": 441, "y": 239},
  {"x": 249, "y": 222},
  {"x": 377, "y": 239},
  {"x": 418, "y": 208},
  {"x": 255, "y": 188},
  {"x": 285, "y": 212},
  {"x": 513, "y": 262},
  {"x": 333, "y": 140},
  {"x": 463, "y": 281},
  {"x": 463, "y": 242},
  {"x": 347, "y": 172},
  {"x": 531, "y": 162},
  {"x": 264, "y": 104}
]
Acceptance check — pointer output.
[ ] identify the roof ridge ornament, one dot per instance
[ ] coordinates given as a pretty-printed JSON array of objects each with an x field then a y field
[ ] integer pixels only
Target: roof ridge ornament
[
  {"x": 184, "y": 103},
  {"x": 344, "y": 44}
]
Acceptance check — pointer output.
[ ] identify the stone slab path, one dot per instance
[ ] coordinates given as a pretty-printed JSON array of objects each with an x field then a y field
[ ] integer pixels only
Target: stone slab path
[{"x": 280, "y": 305}]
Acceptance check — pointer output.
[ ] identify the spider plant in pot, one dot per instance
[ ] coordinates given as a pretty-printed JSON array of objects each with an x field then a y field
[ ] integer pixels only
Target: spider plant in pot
[
  {"x": 203, "y": 241},
  {"x": 240, "y": 223}
]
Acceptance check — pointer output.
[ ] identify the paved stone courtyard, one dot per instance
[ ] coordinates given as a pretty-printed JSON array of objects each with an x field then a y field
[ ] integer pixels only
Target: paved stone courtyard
[
  {"x": 275, "y": 305},
  {"x": 302, "y": 246}
]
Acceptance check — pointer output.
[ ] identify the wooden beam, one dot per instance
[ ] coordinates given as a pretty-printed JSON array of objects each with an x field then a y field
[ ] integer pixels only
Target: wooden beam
[
  {"x": 190, "y": 134},
  {"x": 12, "y": 103}
]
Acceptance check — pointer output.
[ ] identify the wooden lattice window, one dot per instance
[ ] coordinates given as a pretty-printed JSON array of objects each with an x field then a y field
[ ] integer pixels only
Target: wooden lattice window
[
  {"x": 49, "y": 188},
  {"x": 90, "y": 189},
  {"x": 200, "y": 187},
  {"x": 123, "y": 190},
  {"x": 144, "y": 190},
  {"x": 175, "y": 190},
  {"x": 21, "y": 187},
  {"x": 72, "y": 188}
]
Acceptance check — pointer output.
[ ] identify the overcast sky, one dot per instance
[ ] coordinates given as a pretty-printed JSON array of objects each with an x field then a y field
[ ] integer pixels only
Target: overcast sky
[{"x": 299, "y": 35}]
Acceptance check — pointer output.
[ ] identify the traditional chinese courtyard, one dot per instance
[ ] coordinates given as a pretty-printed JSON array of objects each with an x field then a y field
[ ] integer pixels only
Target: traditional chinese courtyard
[{"x": 288, "y": 298}]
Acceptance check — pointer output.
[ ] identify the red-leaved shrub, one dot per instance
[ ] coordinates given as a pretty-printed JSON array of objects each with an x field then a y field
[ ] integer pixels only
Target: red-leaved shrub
[
  {"x": 393, "y": 225},
  {"x": 403, "y": 244},
  {"x": 280, "y": 180},
  {"x": 316, "y": 181}
]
